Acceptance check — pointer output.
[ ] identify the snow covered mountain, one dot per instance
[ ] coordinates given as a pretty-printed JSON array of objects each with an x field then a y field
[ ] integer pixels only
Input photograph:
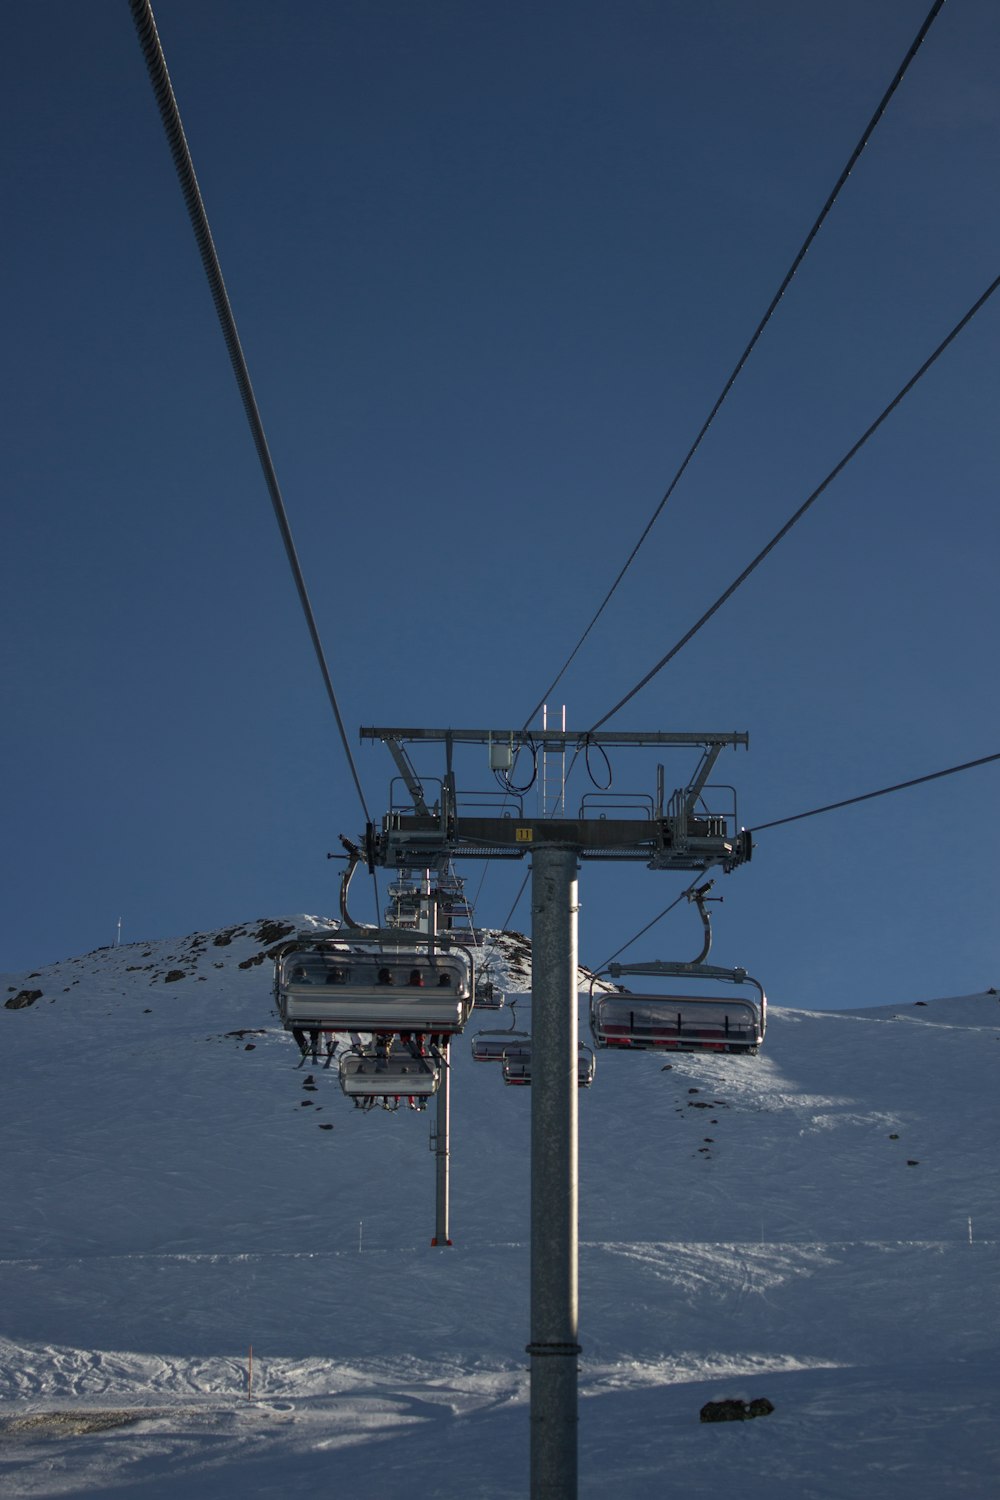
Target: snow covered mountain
[{"x": 817, "y": 1225}]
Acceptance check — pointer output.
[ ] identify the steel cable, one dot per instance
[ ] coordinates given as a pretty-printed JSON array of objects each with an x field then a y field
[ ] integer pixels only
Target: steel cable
[
  {"x": 786, "y": 282},
  {"x": 899, "y": 786},
  {"x": 797, "y": 516},
  {"x": 142, "y": 15},
  {"x": 882, "y": 792},
  {"x": 643, "y": 930}
]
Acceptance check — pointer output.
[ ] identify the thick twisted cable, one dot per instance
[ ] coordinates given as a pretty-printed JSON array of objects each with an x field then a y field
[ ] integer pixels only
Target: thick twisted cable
[
  {"x": 979, "y": 303},
  {"x": 969, "y": 765},
  {"x": 643, "y": 930},
  {"x": 737, "y": 370},
  {"x": 145, "y": 25}
]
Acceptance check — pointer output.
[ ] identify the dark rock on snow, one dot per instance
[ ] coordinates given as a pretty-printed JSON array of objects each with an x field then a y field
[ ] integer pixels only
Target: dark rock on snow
[
  {"x": 22, "y": 999},
  {"x": 736, "y": 1411}
]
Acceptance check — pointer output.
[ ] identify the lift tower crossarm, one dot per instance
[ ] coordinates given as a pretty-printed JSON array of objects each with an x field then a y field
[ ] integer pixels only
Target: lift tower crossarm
[
  {"x": 550, "y": 739},
  {"x": 678, "y": 837}
]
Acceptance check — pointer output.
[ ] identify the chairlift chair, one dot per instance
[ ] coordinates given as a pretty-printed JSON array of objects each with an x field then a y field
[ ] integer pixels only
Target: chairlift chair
[
  {"x": 516, "y": 1062},
  {"x": 383, "y": 987},
  {"x": 517, "y": 1065},
  {"x": 488, "y": 995},
  {"x": 398, "y": 1075},
  {"x": 679, "y": 1022},
  {"x": 491, "y": 1046}
]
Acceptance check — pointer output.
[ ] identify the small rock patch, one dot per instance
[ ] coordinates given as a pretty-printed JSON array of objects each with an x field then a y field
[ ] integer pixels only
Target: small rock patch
[
  {"x": 736, "y": 1411},
  {"x": 22, "y": 999},
  {"x": 74, "y": 1423}
]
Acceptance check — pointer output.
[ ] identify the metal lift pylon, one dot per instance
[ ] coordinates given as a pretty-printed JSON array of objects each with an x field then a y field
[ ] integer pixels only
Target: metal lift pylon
[
  {"x": 677, "y": 834},
  {"x": 441, "y": 1134},
  {"x": 554, "y": 1349}
]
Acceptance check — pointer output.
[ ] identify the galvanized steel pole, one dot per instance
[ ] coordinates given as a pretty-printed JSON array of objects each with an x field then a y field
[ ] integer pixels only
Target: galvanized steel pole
[
  {"x": 554, "y": 1248},
  {"x": 442, "y": 1153}
]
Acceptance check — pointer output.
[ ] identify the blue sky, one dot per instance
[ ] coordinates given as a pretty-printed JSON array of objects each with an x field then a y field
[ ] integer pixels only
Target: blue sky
[{"x": 491, "y": 266}]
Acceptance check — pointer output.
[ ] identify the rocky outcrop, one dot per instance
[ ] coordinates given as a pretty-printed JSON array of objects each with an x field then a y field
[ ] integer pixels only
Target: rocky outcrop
[
  {"x": 736, "y": 1411},
  {"x": 22, "y": 999}
]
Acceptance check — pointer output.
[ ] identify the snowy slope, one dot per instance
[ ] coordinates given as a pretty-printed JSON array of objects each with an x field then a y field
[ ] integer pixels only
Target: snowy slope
[{"x": 818, "y": 1225}]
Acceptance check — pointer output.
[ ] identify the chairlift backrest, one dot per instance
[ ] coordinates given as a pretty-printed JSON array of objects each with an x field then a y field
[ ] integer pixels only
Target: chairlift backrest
[
  {"x": 489, "y": 996},
  {"x": 400, "y": 1075},
  {"x": 679, "y": 1022},
  {"x": 376, "y": 971},
  {"x": 398, "y": 990},
  {"x": 687, "y": 1023},
  {"x": 517, "y": 1065},
  {"x": 490, "y": 1046}
]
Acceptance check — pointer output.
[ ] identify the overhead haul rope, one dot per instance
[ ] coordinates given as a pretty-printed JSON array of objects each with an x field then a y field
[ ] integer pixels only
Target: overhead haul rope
[
  {"x": 789, "y": 274},
  {"x": 882, "y": 792},
  {"x": 779, "y": 535},
  {"x": 813, "y": 812},
  {"x": 507, "y": 919},
  {"x": 142, "y": 14},
  {"x": 643, "y": 930}
]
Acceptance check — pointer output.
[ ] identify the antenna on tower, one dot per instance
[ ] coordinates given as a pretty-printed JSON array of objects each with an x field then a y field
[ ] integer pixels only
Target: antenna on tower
[{"x": 552, "y": 785}]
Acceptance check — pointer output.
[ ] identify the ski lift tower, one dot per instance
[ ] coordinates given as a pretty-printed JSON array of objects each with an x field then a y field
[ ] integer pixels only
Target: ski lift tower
[{"x": 429, "y": 822}]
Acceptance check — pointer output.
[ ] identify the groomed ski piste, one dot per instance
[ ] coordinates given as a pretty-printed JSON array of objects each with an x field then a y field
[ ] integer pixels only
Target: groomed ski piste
[{"x": 817, "y": 1225}]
